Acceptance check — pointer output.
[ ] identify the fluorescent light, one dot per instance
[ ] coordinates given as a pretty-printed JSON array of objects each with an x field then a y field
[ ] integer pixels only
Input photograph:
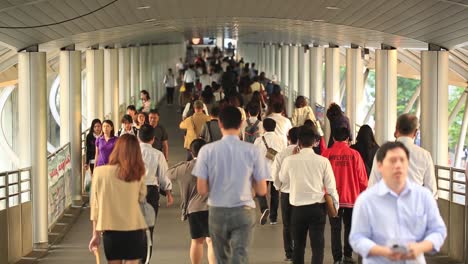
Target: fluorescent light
[
  {"x": 150, "y": 20},
  {"x": 332, "y": 8},
  {"x": 143, "y": 7}
]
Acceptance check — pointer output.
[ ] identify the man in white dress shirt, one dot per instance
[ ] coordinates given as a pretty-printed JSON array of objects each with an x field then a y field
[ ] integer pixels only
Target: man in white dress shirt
[
  {"x": 286, "y": 208},
  {"x": 421, "y": 167},
  {"x": 308, "y": 175},
  {"x": 283, "y": 124},
  {"x": 269, "y": 140},
  {"x": 190, "y": 76}
]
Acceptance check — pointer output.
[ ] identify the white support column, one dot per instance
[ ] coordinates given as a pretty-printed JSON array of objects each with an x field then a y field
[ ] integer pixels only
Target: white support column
[
  {"x": 285, "y": 65},
  {"x": 332, "y": 82},
  {"x": 32, "y": 112},
  {"x": 267, "y": 60},
  {"x": 134, "y": 74},
  {"x": 354, "y": 88},
  {"x": 304, "y": 72},
  {"x": 385, "y": 94},
  {"x": 434, "y": 105},
  {"x": 70, "y": 114},
  {"x": 293, "y": 76},
  {"x": 273, "y": 70},
  {"x": 316, "y": 76},
  {"x": 111, "y": 86},
  {"x": 144, "y": 70},
  {"x": 278, "y": 62},
  {"x": 155, "y": 71},
  {"x": 124, "y": 76},
  {"x": 95, "y": 84}
]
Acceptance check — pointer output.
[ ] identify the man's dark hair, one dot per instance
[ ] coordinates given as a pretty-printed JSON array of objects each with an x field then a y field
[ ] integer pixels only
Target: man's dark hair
[
  {"x": 277, "y": 107},
  {"x": 146, "y": 133},
  {"x": 253, "y": 109},
  {"x": 293, "y": 135},
  {"x": 153, "y": 111},
  {"x": 127, "y": 118},
  {"x": 269, "y": 124},
  {"x": 230, "y": 117},
  {"x": 196, "y": 145},
  {"x": 341, "y": 134},
  {"x": 307, "y": 136},
  {"x": 215, "y": 111},
  {"x": 382, "y": 152},
  {"x": 131, "y": 107},
  {"x": 407, "y": 124}
]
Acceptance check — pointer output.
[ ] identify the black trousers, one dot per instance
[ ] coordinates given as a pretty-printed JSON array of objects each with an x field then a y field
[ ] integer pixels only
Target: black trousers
[
  {"x": 274, "y": 202},
  {"x": 152, "y": 197},
  {"x": 170, "y": 95},
  {"x": 345, "y": 216},
  {"x": 286, "y": 213},
  {"x": 308, "y": 218}
]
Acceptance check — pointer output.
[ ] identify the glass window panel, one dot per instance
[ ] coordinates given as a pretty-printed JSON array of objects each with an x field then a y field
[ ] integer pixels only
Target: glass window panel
[
  {"x": 458, "y": 199},
  {"x": 457, "y": 187},
  {"x": 13, "y": 178},
  {"x": 25, "y": 175},
  {"x": 2, "y": 180},
  {"x": 443, "y": 184},
  {"x": 2, "y": 192},
  {"x": 459, "y": 176},
  {"x": 25, "y": 186},
  {"x": 444, "y": 195},
  {"x": 13, "y": 189},
  {"x": 445, "y": 174},
  {"x": 2, "y": 205},
  {"x": 25, "y": 197},
  {"x": 13, "y": 201}
]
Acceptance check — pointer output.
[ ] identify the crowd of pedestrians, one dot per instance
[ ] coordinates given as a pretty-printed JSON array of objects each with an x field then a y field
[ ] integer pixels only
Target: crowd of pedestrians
[{"x": 384, "y": 198}]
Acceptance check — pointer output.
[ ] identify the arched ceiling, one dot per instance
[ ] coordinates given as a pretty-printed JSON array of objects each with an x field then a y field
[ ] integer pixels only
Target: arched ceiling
[{"x": 404, "y": 24}]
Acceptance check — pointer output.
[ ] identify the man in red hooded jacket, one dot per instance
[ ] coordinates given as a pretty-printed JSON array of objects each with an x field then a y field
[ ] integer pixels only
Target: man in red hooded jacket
[{"x": 351, "y": 179}]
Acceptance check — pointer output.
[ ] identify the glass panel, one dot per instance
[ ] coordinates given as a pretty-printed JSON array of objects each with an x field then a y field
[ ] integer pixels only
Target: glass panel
[
  {"x": 445, "y": 174},
  {"x": 25, "y": 197},
  {"x": 2, "y": 205},
  {"x": 443, "y": 184},
  {"x": 25, "y": 186},
  {"x": 2, "y": 180},
  {"x": 457, "y": 187},
  {"x": 444, "y": 195},
  {"x": 458, "y": 199},
  {"x": 13, "y": 201},
  {"x": 13, "y": 189},
  {"x": 13, "y": 178},
  {"x": 25, "y": 175},
  {"x": 2, "y": 192},
  {"x": 459, "y": 176}
]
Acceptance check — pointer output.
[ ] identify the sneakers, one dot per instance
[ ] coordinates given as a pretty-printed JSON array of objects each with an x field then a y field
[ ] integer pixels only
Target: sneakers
[
  {"x": 288, "y": 259},
  {"x": 273, "y": 222},
  {"x": 264, "y": 217},
  {"x": 348, "y": 260}
]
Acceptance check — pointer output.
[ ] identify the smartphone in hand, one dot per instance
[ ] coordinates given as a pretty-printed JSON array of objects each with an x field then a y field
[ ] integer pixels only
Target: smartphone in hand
[{"x": 399, "y": 249}]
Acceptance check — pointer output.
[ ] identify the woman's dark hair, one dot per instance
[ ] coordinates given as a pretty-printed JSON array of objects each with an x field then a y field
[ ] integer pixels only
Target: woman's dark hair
[
  {"x": 127, "y": 118},
  {"x": 334, "y": 111},
  {"x": 366, "y": 137},
  {"x": 109, "y": 122},
  {"x": 276, "y": 89},
  {"x": 93, "y": 123},
  {"x": 146, "y": 94},
  {"x": 127, "y": 156},
  {"x": 300, "y": 101}
]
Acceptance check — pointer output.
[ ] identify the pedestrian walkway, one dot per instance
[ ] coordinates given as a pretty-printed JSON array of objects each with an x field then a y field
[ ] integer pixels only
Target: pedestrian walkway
[{"x": 172, "y": 239}]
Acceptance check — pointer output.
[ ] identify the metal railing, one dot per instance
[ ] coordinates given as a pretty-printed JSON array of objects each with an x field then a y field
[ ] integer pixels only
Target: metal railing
[
  {"x": 15, "y": 188},
  {"x": 451, "y": 184}
]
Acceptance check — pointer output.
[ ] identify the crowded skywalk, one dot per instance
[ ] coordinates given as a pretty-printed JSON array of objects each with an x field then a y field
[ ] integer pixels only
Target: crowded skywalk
[{"x": 212, "y": 132}]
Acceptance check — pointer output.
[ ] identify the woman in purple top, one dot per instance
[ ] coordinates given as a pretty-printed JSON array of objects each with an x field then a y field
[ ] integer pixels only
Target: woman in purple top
[{"x": 105, "y": 143}]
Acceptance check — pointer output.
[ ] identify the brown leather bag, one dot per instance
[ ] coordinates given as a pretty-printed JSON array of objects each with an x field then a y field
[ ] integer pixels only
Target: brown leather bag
[{"x": 331, "y": 210}]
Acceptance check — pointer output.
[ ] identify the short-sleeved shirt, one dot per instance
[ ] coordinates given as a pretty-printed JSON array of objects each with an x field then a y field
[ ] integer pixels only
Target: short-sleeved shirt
[
  {"x": 230, "y": 166},
  {"x": 105, "y": 149},
  {"x": 160, "y": 135}
]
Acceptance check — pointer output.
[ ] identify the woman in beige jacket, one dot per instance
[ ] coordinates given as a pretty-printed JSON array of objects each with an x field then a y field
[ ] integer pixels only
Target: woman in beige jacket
[
  {"x": 117, "y": 190},
  {"x": 194, "y": 125}
]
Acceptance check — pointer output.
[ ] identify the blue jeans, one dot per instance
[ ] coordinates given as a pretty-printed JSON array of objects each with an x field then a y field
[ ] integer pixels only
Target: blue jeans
[{"x": 231, "y": 230}]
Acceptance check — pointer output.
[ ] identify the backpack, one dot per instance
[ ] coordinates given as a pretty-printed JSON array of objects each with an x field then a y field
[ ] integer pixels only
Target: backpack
[{"x": 252, "y": 131}]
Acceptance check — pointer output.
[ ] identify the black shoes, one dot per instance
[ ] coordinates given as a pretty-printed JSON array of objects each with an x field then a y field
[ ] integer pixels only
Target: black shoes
[{"x": 264, "y": 217}]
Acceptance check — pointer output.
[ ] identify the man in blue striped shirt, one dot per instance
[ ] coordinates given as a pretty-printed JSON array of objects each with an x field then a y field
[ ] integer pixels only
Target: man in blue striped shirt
[
  {"x": 396, "y": 220},
  {"x": 227, "y": 170}
]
